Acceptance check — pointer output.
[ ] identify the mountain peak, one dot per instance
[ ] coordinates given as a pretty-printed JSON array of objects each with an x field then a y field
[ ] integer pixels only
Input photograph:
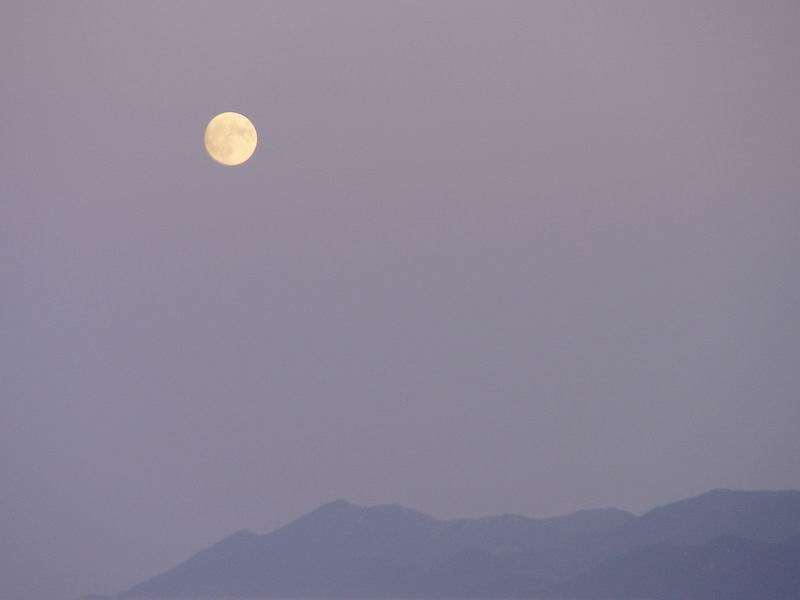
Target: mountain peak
[
  {"x": 337, "y": 505},
  {"x": 344, "y": 508},
  {"x": 389, "y": 551}
]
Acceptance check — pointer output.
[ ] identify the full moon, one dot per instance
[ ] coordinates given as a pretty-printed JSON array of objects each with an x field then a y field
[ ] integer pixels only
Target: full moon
[{"x": 230, "y": 138}]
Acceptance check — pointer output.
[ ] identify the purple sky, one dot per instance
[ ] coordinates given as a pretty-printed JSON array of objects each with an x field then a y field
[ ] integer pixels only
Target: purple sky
[{"x": 488, "y": 257}]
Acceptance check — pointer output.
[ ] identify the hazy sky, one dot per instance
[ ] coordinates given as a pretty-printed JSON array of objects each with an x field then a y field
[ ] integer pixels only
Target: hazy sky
[{"x": 488, "y": 257}]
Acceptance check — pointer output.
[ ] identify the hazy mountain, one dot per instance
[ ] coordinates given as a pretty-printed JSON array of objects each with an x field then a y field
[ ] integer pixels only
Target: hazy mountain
[
  {"x": 759, "y": 516},
  {"x": 343, "y": 550},
  {"x": 764, "y": 516},
  {"x": 727, "y": 567}
]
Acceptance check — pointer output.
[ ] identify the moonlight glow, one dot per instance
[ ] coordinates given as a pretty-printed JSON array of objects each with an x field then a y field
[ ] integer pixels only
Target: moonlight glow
[{"x": 230, "y": 138}]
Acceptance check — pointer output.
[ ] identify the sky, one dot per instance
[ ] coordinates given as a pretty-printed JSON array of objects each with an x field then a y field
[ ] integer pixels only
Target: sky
[{"x": 488, "y": 257}]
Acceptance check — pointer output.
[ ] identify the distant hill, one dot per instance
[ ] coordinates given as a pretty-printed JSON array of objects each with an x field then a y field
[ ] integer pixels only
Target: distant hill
[
  {"x": 726, "y": 567},
  {"x": 343, "y": 550},
  {"x": 764, "y": 516}
]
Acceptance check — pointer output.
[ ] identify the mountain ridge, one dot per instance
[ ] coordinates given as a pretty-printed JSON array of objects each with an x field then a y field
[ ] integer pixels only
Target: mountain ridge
[{"x": 389, "y": 551}]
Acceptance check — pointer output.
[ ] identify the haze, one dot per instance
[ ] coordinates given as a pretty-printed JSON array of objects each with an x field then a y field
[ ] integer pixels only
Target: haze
[{"x": 489, "y": 257}]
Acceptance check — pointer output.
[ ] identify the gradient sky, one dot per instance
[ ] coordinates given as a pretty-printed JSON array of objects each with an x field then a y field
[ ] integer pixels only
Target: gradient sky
[{"x": 488, "y": 257}]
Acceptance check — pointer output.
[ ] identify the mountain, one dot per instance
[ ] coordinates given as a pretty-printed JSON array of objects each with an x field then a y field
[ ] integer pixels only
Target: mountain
[
  {"x": 726, "y": 567},
  {"x": 766, "y": 516},
  {"x": 344, "y": 550},
  {"x": 763, "y": 516}
]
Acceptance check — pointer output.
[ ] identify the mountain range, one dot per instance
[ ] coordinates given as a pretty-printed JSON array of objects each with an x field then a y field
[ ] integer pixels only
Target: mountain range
[{"x": 737, "y": 545}]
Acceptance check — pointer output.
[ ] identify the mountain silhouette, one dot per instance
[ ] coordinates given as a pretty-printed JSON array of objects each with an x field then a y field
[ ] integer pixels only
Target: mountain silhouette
[
  {"x": 760, "y": 516},
  {"x": 389, "y": 551},
  {"x": 726, "y": 567}
]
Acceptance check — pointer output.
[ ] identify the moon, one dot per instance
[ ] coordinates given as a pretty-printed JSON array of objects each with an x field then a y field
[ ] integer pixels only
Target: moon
[{"x": 230, "y": 138}]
